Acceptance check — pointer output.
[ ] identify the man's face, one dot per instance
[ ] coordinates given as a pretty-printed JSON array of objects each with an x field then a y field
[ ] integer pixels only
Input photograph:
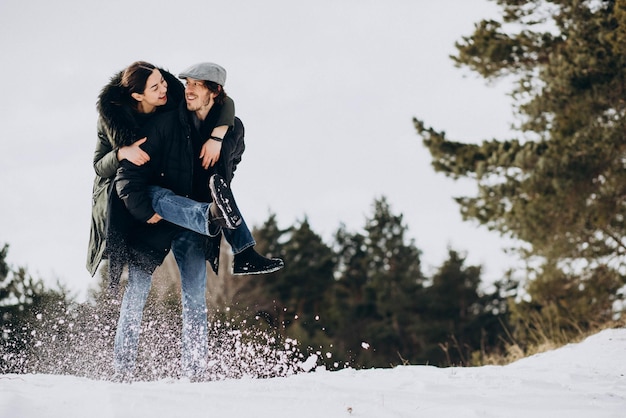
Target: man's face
[
  {"x": 155, "y": 93},
  {"x": 198, "y": 97}
]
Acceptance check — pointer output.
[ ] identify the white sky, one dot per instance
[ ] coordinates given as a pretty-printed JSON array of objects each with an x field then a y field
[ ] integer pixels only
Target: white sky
[{"x": 327, "y": 91}]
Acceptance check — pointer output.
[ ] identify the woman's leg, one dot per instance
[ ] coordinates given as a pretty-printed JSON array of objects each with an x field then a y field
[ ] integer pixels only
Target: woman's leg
[{"x": 129, "y": 323}]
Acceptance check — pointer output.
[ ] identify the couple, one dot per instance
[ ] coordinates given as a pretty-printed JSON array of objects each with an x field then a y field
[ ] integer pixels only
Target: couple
[{"x": 164, "y": 159}]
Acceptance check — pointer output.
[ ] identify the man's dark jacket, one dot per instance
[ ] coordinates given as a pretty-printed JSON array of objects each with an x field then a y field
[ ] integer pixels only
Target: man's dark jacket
[{"x": 171, "y": 165}]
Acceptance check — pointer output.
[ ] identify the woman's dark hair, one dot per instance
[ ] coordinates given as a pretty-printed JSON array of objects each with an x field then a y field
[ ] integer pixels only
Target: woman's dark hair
[
  {"x": 217, "y": 89},
  {"x": 135, "y": 77}
]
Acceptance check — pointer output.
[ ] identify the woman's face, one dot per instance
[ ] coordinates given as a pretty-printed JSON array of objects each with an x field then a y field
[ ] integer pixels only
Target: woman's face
[{"x": 155, "y": 93}]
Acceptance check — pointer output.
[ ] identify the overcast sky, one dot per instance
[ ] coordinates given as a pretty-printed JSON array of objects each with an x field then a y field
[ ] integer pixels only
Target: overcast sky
[{"x": 327, "y": 91}]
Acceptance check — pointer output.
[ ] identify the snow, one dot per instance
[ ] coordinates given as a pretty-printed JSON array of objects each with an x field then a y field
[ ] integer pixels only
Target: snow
[{"x": 586, "y": 379}]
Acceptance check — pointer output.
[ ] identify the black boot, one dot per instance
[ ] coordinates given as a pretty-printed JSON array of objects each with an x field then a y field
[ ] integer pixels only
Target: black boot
[
  {"x": 250, "y": 262},
  {"x": 223, "y": 211}
]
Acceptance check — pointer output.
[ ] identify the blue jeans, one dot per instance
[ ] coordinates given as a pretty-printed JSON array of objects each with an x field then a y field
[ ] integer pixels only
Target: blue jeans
[
  {"x": 188, "y": 250},
  {"x": 129, "y": 322},
  {"x": 194, "y": 216}
]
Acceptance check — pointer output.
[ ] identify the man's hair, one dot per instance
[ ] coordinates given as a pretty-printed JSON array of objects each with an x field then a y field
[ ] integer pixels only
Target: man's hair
[{"x": 217, "y": 89}]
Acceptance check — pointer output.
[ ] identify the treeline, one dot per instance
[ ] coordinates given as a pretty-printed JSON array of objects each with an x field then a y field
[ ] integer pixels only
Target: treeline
[
  {"x": 364, "y": 301},
  {"x": 361, "y": 300}
]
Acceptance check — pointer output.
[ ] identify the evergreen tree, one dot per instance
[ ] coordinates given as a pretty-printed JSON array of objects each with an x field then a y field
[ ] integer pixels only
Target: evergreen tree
[
  {"x": 293, "y": 300},
  {"x": 460, "y": 319},
  {"x": 451, "y": 310},
  {"x": 396, "y": 283},
  {"x": 352, "y": 310},
  {"x": 380, "y": 281},
  {"x": 254, "y": 302},
  {"x": 269, "y": 237},
  {"x": 23, "y": 302},
  {"x": 560, "y": 305},
  {"x": 304, "y": 285},
  {"x": 561, "y": 188}
]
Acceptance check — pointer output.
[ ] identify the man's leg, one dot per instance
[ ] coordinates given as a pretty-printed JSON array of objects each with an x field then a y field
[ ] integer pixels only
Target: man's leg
[
  {"x": 240, "y": 238},
  {"x": 129, "y": 323},
  {"x": 203, "y": 218},
  {"x": 246, "y": 260},
  {"x": 188, "y": 249},
  {"x": 196, "y": 216},
  {"x": 181, "y": 211}
]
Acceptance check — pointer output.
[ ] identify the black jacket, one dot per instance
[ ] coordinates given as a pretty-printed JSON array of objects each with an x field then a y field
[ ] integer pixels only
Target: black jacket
[
  {"x": 171, "y": 165},
  {"x": 117, "y": 126}
]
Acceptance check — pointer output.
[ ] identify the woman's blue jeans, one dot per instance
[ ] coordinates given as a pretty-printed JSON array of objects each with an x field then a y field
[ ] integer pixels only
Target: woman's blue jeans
[
  {"x": 194, "y": 216},
  {"x": 188, "y": 250}
]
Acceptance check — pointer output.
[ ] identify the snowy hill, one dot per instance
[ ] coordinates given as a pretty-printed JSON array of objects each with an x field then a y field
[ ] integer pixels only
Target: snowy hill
[{"x": 579, "y": 380}]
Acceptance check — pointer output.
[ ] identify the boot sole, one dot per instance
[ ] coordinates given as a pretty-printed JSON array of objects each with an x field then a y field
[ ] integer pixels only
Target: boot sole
[
  {"x": 230, "y": 212},
  {"x": 272, "y": 270}
]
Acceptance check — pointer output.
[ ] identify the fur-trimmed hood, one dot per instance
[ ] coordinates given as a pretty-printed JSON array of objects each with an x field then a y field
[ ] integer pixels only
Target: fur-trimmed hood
[{"x": 117, "y": 117}]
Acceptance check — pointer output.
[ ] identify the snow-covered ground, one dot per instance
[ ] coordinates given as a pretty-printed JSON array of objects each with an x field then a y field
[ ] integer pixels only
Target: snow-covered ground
[{"x": 579, "y": 380}]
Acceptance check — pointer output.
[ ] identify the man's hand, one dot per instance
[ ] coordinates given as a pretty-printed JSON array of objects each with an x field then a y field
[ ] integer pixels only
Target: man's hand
[
  {"x": 210, "y": 153},
  {"x": 133, "y": 153},
  {"x": 155, "y": 218}
]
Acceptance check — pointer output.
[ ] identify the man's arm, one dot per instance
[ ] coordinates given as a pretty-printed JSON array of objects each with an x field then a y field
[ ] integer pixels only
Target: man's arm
[
  {"x": 237, "y": 136},
  {"x": 212, "y": 148}
]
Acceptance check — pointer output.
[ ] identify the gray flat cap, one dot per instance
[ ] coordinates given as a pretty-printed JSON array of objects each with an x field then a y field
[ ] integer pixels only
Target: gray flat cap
[{"x": 206, "y": 71}]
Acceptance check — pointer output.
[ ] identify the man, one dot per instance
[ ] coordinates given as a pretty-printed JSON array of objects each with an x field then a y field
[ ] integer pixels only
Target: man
[
  {"x": 204, "y": 97},
  {"x": 175, "y": 142}
]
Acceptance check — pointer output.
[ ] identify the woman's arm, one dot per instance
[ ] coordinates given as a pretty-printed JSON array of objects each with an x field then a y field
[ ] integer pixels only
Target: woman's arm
[
  {"x": 106, "y": 157},
  {"x": 105, "y": 162}
]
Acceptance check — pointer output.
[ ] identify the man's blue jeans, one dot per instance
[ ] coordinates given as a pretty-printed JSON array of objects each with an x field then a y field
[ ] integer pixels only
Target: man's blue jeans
[
  {"x": 188, "y": 250},
  {"x": 194, "y": 216}
]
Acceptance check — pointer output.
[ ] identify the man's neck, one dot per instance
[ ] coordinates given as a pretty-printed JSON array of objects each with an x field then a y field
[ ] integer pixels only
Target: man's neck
[
  {"x": 204, "y": 110},
  {"x": 201, "y": 116},
  {"x": 202, "y": 113}
]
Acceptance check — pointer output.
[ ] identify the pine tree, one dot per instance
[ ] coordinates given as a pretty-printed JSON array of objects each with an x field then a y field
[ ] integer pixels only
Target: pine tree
[
  {"x": 292, "y": 300},
  {"x": 561, "y": 188},
  {"x": 460, "y": 318},
  {"x": 559, "y": 305},
  {"x": 23, "y": 301},
  {"x": 304, "y": 285},
  {"x": 352, "y": 309},
  {"x": 380, "y": 288}
]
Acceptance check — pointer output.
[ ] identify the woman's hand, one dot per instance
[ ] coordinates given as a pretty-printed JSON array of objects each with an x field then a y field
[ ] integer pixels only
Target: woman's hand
[{"x": 134, "y": 153}]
